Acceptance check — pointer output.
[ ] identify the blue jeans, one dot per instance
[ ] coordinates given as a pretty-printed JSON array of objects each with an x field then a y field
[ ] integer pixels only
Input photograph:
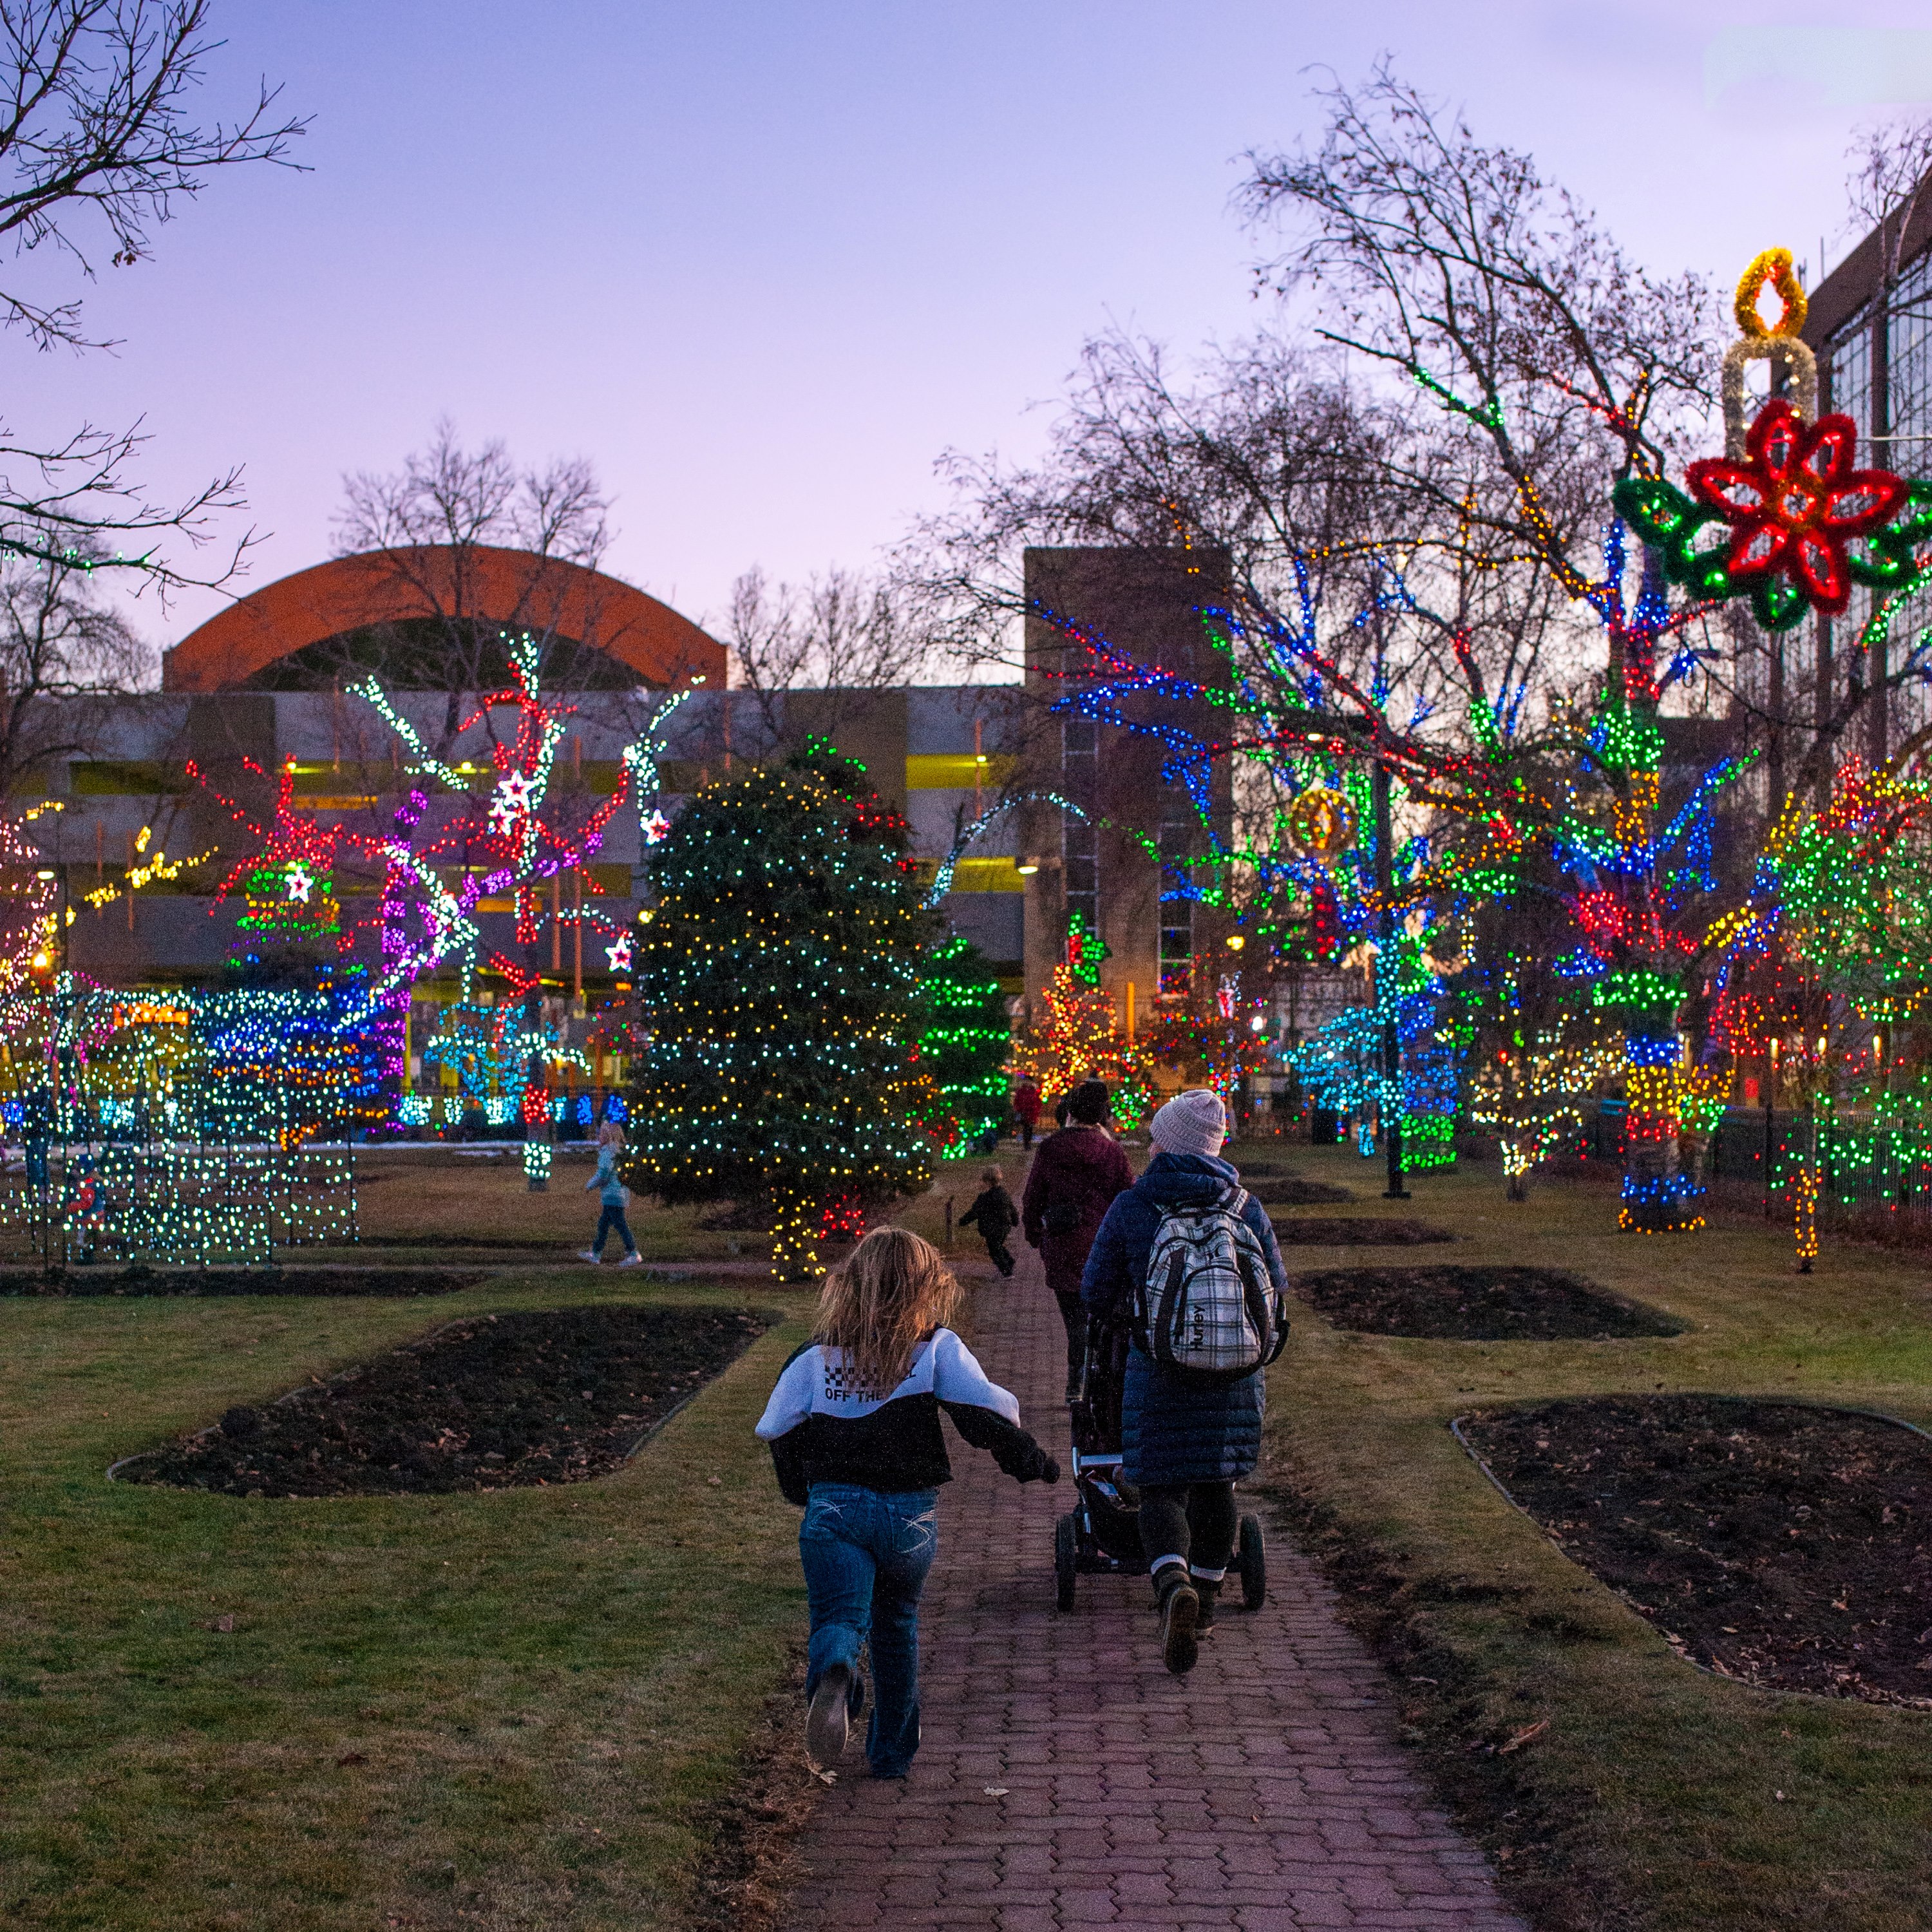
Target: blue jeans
[
  {"x": 865, "y": 1554},
  {"x": 610, "y": 1222}
]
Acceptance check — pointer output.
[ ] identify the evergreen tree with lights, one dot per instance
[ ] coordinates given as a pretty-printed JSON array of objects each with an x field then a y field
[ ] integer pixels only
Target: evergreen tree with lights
[
  {"x": 1076, "y": 1034},
  {"x": 782, "y": 970},
  {"x": 967, "y": 1041}
]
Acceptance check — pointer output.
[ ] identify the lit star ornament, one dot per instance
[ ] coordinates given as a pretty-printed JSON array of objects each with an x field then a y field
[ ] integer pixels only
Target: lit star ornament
[
  {"x": 1796, "y": 501},
  {"x": 511, "y": 801},
  {"x": 656, "y": 828},
  {"x": 619, "y": 953},
  {"x": 301, "y": 882}
]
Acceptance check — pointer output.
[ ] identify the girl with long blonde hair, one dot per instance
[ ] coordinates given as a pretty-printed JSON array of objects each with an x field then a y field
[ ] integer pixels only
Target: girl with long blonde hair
[{"x": 853, "y": 1427}]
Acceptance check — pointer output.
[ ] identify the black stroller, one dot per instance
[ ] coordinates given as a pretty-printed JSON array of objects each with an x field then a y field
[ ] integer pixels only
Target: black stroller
[{"x": 1101, "y": 1535}]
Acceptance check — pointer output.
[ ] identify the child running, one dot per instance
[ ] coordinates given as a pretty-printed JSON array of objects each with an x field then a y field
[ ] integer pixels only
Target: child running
[
  {"x": 612, "y": 1196},
  {"x": 995, "y": 1216},
  {"x": 853, "y": 1427}
]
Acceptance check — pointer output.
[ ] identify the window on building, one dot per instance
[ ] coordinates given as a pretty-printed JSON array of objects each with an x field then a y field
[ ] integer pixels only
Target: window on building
[
  {"x": 1080, "y": 851},
  {"x": 1851, "y": 370},
  {"x": 1178, "y": 842},
  {"x": 1908, "y": 450}
]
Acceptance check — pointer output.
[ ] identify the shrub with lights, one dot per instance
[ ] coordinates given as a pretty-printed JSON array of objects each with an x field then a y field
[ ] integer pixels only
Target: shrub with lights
[
  {"x": 967, "y": 1041},
  {"x": 782, "y": 970}
]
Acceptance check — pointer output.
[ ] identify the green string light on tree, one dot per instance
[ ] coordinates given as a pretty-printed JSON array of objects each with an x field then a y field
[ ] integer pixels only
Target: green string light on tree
[{"x": 781, "y": 968}]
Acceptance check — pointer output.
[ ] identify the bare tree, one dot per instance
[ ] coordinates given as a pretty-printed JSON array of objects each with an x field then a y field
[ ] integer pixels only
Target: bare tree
[
  {"x": 843, "y": 633},
  {"x": 100, "y": 146},
  {"x": 447, "y": 495},
  {"x": 480, "y": 549},
  {"x": 62, "y": 645}
]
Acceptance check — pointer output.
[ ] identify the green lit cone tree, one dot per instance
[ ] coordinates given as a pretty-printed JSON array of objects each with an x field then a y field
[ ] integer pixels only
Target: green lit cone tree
[
  {"x": 967, "y": 1041},
  {"x": 781, "y": 971}
]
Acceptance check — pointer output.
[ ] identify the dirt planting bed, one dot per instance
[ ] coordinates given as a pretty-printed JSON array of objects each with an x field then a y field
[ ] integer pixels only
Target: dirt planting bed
[
  {"x": 496, "y": 1402},
  {"x": 1477, "y": 1304},
  {"x": 1288, "y": 1190},
  {"x": 1786, "y": 1545},
  {"x": 1311, "y": 1231},
  {"x": 143, "y": 1281}
]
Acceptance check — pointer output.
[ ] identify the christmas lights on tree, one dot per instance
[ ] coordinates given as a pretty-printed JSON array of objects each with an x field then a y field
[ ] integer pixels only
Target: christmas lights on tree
[
  {"x": 968, "y": 1040},
  {"x": 1076, "y": 1035},
  {"x": 782, "y": 970}
]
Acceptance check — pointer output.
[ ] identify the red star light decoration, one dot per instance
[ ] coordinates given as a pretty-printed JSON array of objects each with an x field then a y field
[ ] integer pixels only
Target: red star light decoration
[{"x": 1796, "y": 501}]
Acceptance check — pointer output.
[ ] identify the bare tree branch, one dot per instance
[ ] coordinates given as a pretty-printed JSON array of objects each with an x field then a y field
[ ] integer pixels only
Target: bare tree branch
[
  {"x": 844, "y": 631},
  {"x": 61, "y": 645},
  {"x": 97, "y": 145}
]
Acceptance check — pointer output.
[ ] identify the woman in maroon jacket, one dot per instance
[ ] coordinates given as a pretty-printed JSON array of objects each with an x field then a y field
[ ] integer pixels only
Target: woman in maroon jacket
[{"x": 1075, "y": 1177}]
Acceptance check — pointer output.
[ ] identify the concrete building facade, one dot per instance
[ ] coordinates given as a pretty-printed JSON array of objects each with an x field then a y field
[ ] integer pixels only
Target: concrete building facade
[{"x": 176, "y": 775}]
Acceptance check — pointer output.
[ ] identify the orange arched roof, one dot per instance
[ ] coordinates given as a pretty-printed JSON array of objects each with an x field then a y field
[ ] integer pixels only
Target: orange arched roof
[{"x": 506, "y": 586}]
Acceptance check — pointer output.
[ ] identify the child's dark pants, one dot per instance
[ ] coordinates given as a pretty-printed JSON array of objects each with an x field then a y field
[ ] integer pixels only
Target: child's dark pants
[{"x": 1193, "y": 1521}]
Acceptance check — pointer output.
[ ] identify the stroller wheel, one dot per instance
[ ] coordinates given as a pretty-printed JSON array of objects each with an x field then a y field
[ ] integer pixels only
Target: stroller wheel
[
  {"x": 1065, "y": 1551},
  {"x": 1251, "y": 1560}
]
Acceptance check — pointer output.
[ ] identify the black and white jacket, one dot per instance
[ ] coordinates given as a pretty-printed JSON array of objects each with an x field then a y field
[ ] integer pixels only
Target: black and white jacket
[{"x": 824, "y": 1429}]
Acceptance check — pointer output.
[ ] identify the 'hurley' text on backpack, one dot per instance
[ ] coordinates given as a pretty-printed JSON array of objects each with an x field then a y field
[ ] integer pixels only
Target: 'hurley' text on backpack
[{"x": 1209, "y": 1312}]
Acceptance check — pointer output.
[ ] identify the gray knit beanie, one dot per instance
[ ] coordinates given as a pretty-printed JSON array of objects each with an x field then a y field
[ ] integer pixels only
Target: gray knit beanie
[{"x": 1192, "y": 1122}]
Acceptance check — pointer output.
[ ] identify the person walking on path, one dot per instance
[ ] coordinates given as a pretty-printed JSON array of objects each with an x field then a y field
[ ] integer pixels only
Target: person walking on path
[
  {"x": 1075, "y": 1177},
  {"x": 614, "y": 1196},
  {"x": 994, "y": 1215},
  {"x": 1185, "y": 1443},
  {"x": 854, "y": 1427},
  {"x": 1026, "y": 1111}
]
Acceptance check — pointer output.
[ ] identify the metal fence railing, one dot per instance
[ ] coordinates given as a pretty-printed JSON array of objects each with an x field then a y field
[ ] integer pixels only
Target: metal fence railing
[{"x": 1874, "y": 1184}]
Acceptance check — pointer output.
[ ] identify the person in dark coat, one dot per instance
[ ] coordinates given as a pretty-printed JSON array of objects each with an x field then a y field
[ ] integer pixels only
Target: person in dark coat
[
  {"x": 993, "y": 1214},
  {"x": 1184, "y": 1447},
  {"x": 1075, "y": 1177},
  {"x": 1026, "y": 1110}
]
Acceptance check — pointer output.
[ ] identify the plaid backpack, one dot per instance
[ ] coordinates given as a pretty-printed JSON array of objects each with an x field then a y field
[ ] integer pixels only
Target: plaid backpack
[{"x": 1209, "y": 1313}]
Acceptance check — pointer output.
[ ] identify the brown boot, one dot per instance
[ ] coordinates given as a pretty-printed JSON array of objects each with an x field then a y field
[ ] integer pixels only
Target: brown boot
[
  {"x": 1180, "y": 1610},
  {"x": 1208, "y": 1593}
]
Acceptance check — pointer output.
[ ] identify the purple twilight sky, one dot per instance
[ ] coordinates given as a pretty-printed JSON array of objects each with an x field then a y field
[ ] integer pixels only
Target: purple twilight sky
[{"x": 763, "y": 263}]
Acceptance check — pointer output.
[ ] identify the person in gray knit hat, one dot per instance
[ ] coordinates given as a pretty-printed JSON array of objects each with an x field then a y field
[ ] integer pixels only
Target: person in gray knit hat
[{"x": 1184, "y": 1446}]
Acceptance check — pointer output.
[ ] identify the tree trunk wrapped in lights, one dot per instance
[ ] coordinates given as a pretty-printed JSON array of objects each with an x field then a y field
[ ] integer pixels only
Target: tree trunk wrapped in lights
[{"x": 782, "y": 968}]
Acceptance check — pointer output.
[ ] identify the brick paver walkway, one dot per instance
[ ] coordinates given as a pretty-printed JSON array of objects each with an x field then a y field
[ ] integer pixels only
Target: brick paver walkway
[{"x": 1265, "y": 1791}]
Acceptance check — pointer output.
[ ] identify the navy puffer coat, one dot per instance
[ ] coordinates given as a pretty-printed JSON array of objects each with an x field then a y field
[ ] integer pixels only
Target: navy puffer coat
[{"x": 1171, "y": 1432}]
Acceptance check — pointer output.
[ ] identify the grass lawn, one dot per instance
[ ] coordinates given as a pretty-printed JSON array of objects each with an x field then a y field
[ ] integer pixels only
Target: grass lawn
[
  {"x": 507, "y": 1710},
  {"x": 499, "y": 1710},
  {"x": 412, "y": 1195},
  {"x": 1658, "y": 1797}
]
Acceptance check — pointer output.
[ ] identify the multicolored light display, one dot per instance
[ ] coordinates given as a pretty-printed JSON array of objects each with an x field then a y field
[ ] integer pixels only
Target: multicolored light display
[{"x": 783, "y": 969}]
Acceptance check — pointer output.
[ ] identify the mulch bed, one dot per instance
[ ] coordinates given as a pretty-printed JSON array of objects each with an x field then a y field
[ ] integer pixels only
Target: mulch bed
[
  {"x": 1788, "y": 1546},
  {"x": 1477, "y": 1304},
  {"x": 1369, "y": 1232},
  {"x": 322, "y": 1281},
  {"x": 1292, "y": 1191},
  {"x": 496, "y": 1402}
]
